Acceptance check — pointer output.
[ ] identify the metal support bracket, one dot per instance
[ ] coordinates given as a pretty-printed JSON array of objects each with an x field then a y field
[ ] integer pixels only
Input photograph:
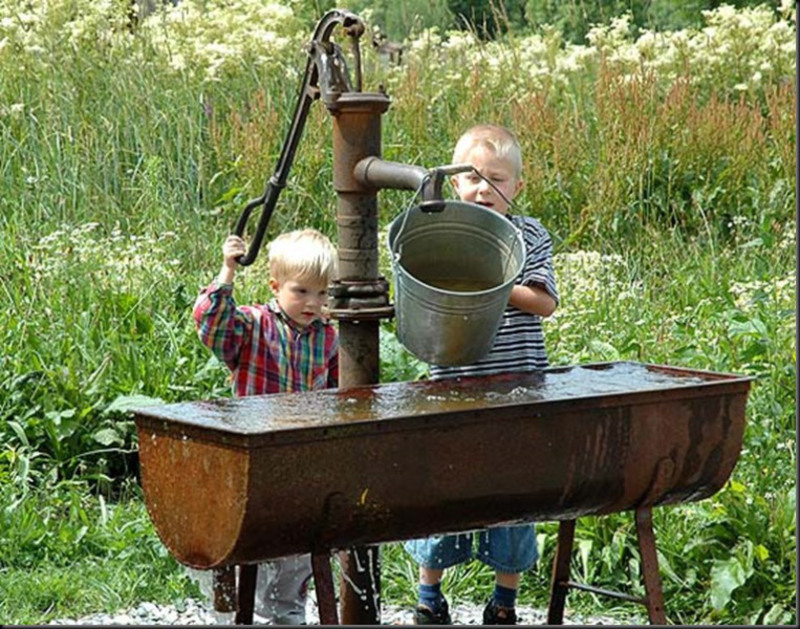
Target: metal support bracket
[{"x": 654, "y": 598}]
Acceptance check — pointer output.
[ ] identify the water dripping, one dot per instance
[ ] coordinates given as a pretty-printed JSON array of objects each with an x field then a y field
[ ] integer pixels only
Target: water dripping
[
  {"x": 359, "y": 592},
  {"x": 359, "y": 567},
  {"x": 373, "y": 570}
]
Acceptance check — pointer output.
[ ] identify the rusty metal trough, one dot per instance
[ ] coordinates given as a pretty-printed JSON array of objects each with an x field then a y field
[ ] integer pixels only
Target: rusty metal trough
[{"x": 240, "y": 481}]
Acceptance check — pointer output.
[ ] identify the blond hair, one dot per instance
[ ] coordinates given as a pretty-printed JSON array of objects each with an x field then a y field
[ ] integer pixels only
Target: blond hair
[
  {"x": 303, "y": 255},
  {"x": 501, "y": 141}
]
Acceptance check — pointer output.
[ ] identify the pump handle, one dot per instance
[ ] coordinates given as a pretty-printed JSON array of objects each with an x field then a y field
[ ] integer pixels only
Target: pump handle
[{"x": 324, "y": 58}]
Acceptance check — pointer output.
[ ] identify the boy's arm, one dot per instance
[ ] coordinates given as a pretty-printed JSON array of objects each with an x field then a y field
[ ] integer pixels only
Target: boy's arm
[
  {"x": 221, "y": 326},
  {"x": 537, "y": 293},
  {"x": 533, "y": 299},
  {"x": 232, "y": 248}
]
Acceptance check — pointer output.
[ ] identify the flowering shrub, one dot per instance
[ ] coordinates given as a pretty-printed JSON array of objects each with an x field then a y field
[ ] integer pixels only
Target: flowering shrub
[
  {"x": 761, "y": 41},
  {"x": 208, "y": 36},
  {"x": 117, "y": 261},
  {"x": 211, "y": 36},
  {"x": 204, "y": 37}
]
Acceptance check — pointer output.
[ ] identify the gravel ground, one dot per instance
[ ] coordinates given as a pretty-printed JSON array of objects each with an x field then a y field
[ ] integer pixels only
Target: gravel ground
[
  {"x": 193, "y": 612},
  {"x": 200, "y": 612}
]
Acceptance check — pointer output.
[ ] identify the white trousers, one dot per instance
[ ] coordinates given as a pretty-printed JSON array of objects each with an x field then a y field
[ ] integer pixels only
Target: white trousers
[{"x": 282, "y": 590}]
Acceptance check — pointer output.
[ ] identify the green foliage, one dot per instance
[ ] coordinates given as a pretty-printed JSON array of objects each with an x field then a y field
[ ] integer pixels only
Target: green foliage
[
  {"x": 397, "y": 363},
  {"x": 574, "y": 19},
  {"x": 486, "y": 18},
  {"x": 399, "y": 20},
  {"x": 65, "y": 552},
  {"x": 490, "y": 19}
]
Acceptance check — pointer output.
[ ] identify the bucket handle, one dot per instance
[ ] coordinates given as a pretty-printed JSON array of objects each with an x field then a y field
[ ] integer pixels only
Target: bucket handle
[
  {"x": 510, "y": 251},
  {"x": 434, "y": 178},
  {"x": 436, "y": 205}
]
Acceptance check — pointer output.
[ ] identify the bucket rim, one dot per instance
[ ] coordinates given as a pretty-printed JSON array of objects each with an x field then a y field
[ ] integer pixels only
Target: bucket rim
[
  {"x": 449, "y": 202},
  {"x": 471, "y": 206}
]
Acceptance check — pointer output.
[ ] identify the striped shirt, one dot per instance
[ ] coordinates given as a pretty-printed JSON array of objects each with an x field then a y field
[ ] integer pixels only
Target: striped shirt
[
  {"x": 519, "y": 344},
  {"x": 264, "y": 349}
]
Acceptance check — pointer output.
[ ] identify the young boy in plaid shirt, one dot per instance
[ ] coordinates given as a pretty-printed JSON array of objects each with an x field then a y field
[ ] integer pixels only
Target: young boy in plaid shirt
[{"x": 283, "y": 346}]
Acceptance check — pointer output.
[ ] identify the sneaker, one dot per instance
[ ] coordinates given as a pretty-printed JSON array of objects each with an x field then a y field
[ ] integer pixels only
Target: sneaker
[
  {"x": 496, "y": 615},
  {"x": 426, "y": 616}
]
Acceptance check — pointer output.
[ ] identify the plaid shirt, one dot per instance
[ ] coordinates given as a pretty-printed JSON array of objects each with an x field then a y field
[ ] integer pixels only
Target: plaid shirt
[{"x": 264, "y": 349}]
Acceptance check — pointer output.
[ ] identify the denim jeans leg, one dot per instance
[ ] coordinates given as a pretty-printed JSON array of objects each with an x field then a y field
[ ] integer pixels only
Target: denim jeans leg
[
  {"x": 509, "y": 549},
  {"x": 440, "y": 551}
]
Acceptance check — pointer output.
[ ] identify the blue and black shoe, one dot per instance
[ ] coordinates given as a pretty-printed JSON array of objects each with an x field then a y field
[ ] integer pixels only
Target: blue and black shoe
[
  {"x": 496, "y": 615},
  {"x": 426, "y": 616}
]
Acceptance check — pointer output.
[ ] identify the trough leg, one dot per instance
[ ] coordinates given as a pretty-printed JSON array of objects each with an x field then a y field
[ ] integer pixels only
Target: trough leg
[
  {"x": 246, "y": 596},
  {"x": 224, "y": 583},
  {"x": 559, "y": 587},
  {"x": 323, "y": 586},
  {"x": 360, "y": 585},
  {"x": 652, "y": 580}
]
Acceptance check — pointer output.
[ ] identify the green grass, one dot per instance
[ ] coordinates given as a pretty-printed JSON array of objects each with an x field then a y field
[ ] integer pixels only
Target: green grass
[
  {"x": 670, "y": 201},
  {"x": 68, "y": 552}
]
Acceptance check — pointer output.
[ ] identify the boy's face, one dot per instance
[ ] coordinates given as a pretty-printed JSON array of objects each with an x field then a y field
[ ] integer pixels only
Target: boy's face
[
  {"x": 302, "y": 301},
  {"x": 499, "y": 170}
]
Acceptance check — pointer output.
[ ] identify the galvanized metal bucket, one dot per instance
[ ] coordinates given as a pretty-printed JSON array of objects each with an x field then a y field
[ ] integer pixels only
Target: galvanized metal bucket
[{"x": 453, "y": 274}]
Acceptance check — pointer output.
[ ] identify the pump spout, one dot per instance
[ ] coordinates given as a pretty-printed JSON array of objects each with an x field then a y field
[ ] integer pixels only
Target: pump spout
[{"x": 379, "y": 173}]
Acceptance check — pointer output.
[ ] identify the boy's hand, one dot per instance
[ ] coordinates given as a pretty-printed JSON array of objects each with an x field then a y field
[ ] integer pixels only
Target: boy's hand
[{"x": 233, "y": 248}]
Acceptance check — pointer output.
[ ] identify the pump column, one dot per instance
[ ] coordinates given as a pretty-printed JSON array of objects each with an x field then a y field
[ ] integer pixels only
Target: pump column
[{"x": 359, "y": 299}]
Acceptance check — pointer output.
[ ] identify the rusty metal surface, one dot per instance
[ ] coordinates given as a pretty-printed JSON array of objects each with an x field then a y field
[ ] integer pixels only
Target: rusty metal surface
[
  {"x": 245, "y": 480},
  {"x": 359, "y": 301},
  {"x": 654, "y": 601},
  {"x": 357, "y": 135},
  {"x": 561, "y": 583},
  {"x": 323, "y": 588}
]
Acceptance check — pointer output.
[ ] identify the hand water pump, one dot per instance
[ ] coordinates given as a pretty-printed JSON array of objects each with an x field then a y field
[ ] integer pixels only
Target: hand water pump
[{"x": 360, "y": 297}]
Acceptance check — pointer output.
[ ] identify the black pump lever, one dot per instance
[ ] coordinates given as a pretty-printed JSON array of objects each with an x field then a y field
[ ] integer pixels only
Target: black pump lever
[{"x": 325, "y": 75}]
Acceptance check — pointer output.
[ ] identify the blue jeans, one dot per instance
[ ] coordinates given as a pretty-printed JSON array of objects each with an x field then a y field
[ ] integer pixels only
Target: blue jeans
[{"x": 509, "y": 549}]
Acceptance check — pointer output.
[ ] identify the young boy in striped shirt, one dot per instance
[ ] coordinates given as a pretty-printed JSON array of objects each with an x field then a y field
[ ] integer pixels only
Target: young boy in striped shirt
[
  {"x": 518, "y": 347},
  {"x": 283, "y": 346}
]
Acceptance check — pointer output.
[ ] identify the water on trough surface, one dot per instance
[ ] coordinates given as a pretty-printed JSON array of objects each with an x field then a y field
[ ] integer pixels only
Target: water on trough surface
[{"x": 258, "y": 414}]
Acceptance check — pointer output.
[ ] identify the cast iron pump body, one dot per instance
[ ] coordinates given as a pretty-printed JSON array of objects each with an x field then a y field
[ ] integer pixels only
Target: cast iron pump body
[{"x": 359, "y": 298}]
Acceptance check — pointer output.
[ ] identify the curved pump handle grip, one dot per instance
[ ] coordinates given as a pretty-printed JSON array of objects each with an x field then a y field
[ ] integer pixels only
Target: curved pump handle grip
[
  {"x": 309, "y": 92},
  {"x": 267, "y": 202}
]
